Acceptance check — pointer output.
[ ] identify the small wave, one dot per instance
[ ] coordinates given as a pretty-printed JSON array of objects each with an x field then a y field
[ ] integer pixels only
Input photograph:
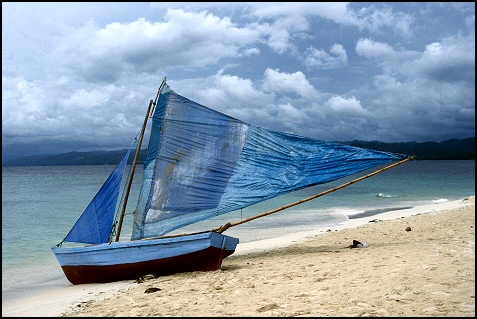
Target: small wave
[
  {"x": 347, "y": 211},
  {"x": 440, "y": 200},
  {"x": 385, "y": 195}
]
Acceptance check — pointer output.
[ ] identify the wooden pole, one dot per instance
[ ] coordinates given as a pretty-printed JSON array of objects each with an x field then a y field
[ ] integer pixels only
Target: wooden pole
[
  {"x": 228, "y": 225},
  {"x": 138, "y": 150}
]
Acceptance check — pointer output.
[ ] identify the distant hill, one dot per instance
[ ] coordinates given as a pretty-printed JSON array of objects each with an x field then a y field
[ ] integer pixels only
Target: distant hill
[
  {"x": 453, "y": 149},
  {"x": 75, "y": 158}
]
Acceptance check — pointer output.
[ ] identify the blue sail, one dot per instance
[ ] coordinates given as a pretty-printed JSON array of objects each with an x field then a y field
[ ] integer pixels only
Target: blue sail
[
  {"x": 202, "y": 163},
  {"x": 95, "y": 224}
]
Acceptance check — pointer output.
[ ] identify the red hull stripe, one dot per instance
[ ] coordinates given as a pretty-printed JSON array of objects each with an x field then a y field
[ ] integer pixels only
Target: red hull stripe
[{"x": 205, "y": 260}]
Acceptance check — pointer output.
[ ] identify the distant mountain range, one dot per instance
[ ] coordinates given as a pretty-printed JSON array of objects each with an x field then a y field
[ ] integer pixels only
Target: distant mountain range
[{"x": 453, "y": 149}]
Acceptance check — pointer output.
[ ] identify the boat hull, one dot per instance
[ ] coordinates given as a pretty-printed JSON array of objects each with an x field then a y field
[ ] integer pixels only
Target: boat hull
[{"x": 130, "y": 260}]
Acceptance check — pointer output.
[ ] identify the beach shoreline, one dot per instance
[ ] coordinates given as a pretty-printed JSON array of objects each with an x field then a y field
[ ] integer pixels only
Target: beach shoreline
[{"x": 270, "y": 263}]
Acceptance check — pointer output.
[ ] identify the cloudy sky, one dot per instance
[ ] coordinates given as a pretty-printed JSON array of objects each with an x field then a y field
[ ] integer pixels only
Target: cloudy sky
[{"x": 79, "y": 76}]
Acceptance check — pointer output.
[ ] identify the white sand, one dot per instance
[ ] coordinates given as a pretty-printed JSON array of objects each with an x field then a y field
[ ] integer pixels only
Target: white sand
[
  {"x": 429, "y": 271},
  {"x": 282, "y": 241}
]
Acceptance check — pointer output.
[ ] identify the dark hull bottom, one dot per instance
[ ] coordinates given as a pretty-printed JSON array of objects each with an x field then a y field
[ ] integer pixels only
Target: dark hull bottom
[{"x": 205, "y": 260}]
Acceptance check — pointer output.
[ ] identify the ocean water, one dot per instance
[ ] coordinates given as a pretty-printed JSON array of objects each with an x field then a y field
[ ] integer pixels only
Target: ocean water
[{"x": 41, "y": 204}]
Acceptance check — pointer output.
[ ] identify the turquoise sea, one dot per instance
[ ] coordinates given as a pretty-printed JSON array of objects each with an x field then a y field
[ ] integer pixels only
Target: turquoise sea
[{"x": 41, "y": 203}]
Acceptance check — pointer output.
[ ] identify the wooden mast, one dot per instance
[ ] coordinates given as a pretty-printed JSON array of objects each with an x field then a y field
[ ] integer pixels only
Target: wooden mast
[
  {"x": 150, "y": 113},
  {"x": 228, "y": 225}
]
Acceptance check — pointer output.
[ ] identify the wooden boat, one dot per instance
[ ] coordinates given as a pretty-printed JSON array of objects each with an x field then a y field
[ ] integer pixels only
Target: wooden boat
[
  {"x": 129, "y": 260},
  {"x": 200, "y": 163}
]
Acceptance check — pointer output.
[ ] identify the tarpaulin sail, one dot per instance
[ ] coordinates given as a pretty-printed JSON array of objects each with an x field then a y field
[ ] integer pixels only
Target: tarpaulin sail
[
  {"x": 95, "y": 224},
  {"x": 202, "y": 163}
]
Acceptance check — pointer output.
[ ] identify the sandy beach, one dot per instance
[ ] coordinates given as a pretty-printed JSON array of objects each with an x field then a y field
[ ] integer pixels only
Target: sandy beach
[{"x": 419, "y": 262}]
